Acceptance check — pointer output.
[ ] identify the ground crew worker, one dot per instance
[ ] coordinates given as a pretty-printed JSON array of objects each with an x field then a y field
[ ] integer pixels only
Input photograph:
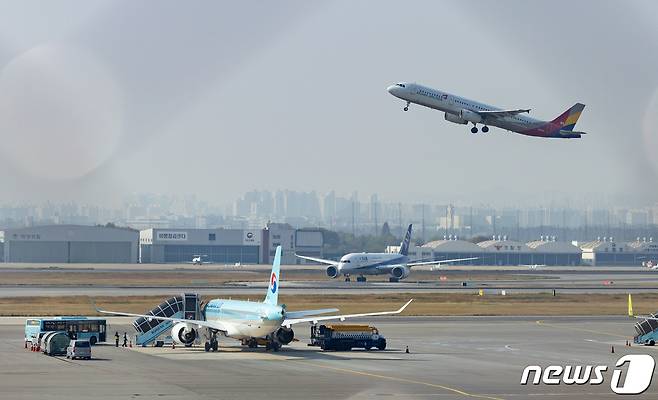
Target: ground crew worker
[
  {"x": 116, "y": 338},
  {"x": 125, "y": 340}
]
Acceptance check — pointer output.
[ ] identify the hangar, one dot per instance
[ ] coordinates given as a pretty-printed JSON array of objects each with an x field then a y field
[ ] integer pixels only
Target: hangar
[
  {"x": 505, "y": 252},
  {"x": 607, "y": 251},
  {"x": 214, "y": 245},
  {"x": 71, "y": 244},
  {"x": 548, "y": 252}
]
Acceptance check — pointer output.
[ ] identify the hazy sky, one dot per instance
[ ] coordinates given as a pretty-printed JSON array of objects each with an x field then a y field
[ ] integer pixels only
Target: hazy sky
[{"x": 103, "y": 98}]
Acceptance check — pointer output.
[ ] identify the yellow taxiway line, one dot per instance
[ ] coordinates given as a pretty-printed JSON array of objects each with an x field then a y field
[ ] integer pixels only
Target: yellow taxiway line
[{"x": 404, "y": 380}]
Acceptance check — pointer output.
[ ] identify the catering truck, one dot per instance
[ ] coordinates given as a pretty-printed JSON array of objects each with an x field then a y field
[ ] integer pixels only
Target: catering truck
[{"x": 346, "y": 337}]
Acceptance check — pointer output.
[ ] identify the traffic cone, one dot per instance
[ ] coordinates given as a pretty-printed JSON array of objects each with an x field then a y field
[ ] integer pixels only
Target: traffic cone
[
  {"x": 612, "y": 349},
  {"x": 173, "y": 345},
  {"x": 130, "y": 344},
  {"x": 407, "y": 350}
]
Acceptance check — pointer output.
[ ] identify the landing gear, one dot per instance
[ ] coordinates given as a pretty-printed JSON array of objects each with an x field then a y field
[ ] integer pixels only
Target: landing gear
[
  {"x": 485, "y": 129},
  {"x": 212, "y": 344},
  {"x": 361, "y": 278},
  {"x": 347, "y": 278},
  {"x": 474, "y": 129},
  {"x": 252, "y": 343},
  {"x": 406, "y": 108},
  {"x": 274, "y": 346},
  {"x": 393, "y": 279}
]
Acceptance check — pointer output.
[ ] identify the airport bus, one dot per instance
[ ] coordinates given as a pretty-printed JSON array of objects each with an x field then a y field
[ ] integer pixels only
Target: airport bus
[{"x": 83, "y": 328}]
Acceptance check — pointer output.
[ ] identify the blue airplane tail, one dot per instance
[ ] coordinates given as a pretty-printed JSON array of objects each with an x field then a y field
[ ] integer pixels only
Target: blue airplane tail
[
  {"x": 404, "y": 246},
  {"x": 272, "y": 296}
]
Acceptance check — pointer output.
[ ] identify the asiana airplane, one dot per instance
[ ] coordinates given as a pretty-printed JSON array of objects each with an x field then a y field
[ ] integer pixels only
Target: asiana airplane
[
  {"x": 249, "y": 321},
  {"x": 461, "y": 110}
]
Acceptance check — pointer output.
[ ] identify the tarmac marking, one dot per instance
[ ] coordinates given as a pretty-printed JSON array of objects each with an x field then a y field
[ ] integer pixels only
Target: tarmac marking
[
  {"x": 398, "y": 379},
  {"x": 541, "y": 322}
]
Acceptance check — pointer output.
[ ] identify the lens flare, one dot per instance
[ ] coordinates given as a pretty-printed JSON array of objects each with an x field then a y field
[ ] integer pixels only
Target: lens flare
[{"x": 60, "y": 112}]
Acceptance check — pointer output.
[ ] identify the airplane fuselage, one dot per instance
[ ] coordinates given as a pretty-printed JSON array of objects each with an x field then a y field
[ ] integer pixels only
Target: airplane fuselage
[
  {"x": 245, "y": 319},
  {"x": 461, "y": 110},
  {"x": 370, "y": 263}
]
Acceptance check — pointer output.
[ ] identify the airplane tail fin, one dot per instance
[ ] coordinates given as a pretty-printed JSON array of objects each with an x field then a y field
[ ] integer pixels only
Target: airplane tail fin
[
  {"x": 404, "y": 246},
  {"x": 272, "y": 296},
  {"x": 568, "y": 119}
]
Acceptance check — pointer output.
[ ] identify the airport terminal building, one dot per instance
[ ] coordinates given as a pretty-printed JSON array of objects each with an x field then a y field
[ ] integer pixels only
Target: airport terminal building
[
  {"x": 71, "y": 244},
  {"x": 223, "y": 246}
]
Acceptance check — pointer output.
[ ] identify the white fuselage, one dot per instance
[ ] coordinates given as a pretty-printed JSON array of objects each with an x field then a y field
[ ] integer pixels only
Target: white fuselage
[
  {"x": 370, "y": 263},
  {"x": 454, "y": 105},
  {"x": 245, "y": 319}
]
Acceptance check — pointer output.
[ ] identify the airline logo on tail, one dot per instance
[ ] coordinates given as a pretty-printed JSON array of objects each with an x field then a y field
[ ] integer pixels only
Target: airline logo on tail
[
  {"x": 404, "y": 246},
  {"x": 569, "y": 118},
  {"x": 273, "y": 283},
  {"x": 272, "y": 296}
]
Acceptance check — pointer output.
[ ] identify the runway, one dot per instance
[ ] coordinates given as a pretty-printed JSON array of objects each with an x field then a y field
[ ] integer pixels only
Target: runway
[
  {"x": 129, "y": 280},
  {"x": 450, "y": 358}
]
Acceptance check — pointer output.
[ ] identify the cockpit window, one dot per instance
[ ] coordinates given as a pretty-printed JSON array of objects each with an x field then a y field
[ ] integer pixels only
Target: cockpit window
[
  {"x": 401, "y": 84},
  {"x": 345, "y": 261}
]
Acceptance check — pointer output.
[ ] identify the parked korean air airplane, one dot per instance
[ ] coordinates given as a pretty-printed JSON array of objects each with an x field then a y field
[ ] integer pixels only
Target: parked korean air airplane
[
  {"x": 461, "y": 110},
  {"x": 249, "y": 320},
  {"x": 397, "y": 265}
]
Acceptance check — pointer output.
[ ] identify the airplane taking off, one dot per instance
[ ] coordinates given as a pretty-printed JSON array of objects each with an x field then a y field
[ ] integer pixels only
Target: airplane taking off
[
  {"x": 397, "y": 265},
  {"x": 460, "y": 110},
  {"x": 249, "y": 320}
]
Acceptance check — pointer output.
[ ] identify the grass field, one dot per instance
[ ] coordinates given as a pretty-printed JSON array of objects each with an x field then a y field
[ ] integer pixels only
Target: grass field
[{"x": 424, "y": 304}]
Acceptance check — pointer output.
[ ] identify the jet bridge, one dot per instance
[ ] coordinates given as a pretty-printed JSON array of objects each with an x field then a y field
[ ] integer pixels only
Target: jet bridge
[
  {"x": 185, "y": 306},
  {"x": 647, "y": 331}
]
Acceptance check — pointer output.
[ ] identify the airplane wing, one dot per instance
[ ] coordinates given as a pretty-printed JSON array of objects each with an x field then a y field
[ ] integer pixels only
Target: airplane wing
[
  {"x": 292, "y": 321},
  {"x": 318, "y": 260},
  {"x": 217, "y": 325},
  {"x": 503, "y": 113},
  {"x": 439, "y": 262},
  {"x": 306, "y": 313}
]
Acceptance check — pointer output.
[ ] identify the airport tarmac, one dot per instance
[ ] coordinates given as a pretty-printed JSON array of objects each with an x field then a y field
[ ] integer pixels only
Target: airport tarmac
[
  {"x": 121, "y": 280},
  {"x": 450, "y": 358}
]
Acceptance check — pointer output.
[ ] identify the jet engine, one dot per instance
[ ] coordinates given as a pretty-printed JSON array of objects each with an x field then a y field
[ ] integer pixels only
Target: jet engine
[
  {"x": 400, "y": 272},
  {"x": 470, "y": 116},
  {"x": 184, "y": 333},
  {"x": 284, "y": 335},
  {"x": 332, "y": 271},
  {"x": 455, "y": 118}
]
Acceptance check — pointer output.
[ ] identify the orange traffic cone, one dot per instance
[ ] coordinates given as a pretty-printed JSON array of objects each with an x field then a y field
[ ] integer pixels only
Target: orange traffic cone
[{"x": 130, "y": 344}]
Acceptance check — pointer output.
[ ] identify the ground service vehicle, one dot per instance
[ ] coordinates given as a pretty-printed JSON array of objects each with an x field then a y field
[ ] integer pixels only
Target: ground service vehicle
[
  {"x": 647, "y": 331},
  {"x": 91, "y": 329},
  {"x": 346, "y": 337},
  {"x": 55, "y": 343},
  {"x": 79, "y": 349}
]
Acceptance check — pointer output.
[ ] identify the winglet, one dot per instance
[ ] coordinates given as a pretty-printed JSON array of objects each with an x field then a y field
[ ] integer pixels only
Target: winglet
[
  {"x": 630, "y": 306},
  {"x": 404, "y": 306}
]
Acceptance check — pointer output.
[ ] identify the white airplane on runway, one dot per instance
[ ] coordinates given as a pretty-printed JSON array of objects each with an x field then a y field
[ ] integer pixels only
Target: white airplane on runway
[
  {"x": 397, "y": 265},
  {"x": 197, "y": 259},
  {"x": 248, "y": 320},
  {"x": 461, "y": 110}
]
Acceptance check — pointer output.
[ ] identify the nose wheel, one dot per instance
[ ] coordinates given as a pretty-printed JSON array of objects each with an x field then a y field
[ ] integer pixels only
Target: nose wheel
[
  {"x": 485, "y": 129},
  {"x": 406, "y": 108},
  {"x": 474, "y": 129}
]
